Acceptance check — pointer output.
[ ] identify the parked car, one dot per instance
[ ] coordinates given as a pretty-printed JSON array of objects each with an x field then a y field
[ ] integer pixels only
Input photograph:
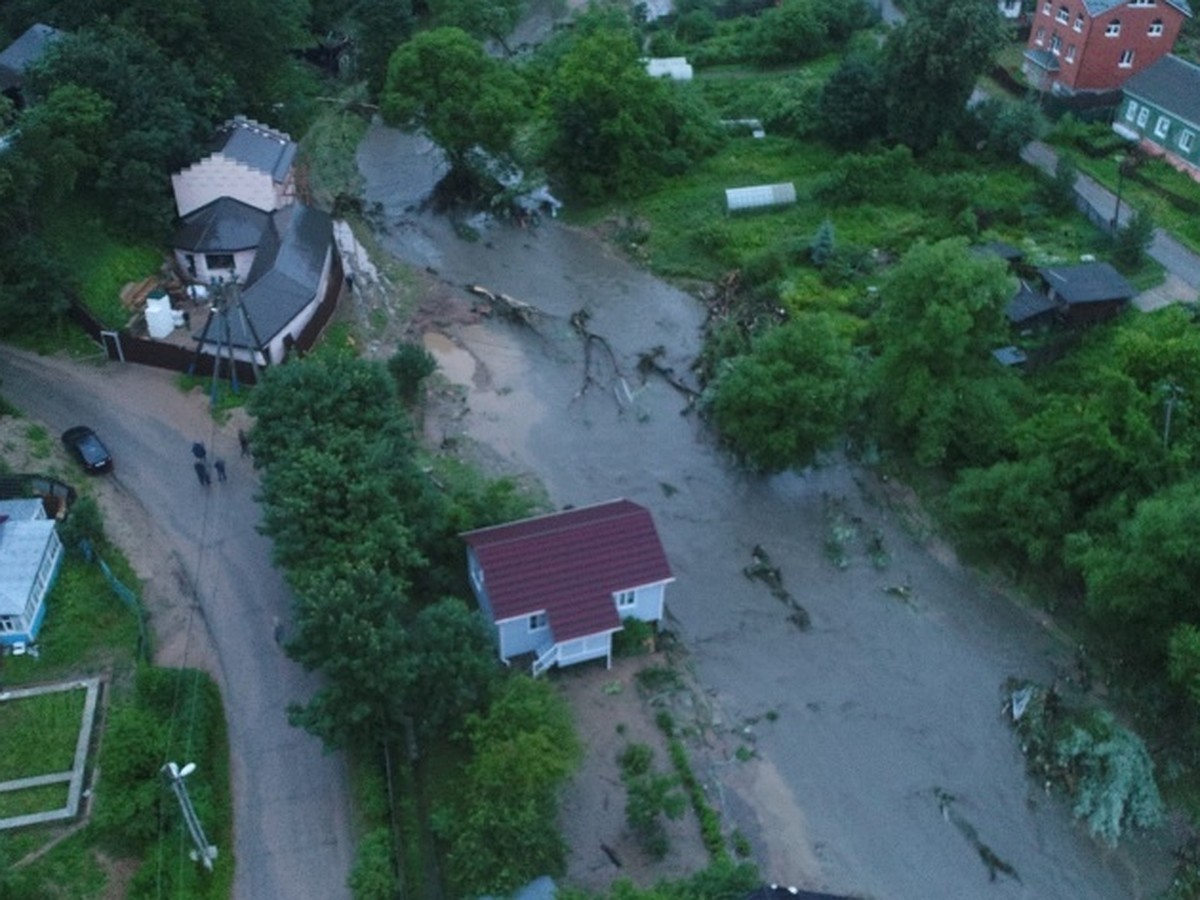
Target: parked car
[{"x": 86, "y": 447}]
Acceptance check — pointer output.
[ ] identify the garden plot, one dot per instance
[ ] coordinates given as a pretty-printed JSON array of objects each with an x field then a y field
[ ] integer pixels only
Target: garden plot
[{"x": 44, "y": 736}]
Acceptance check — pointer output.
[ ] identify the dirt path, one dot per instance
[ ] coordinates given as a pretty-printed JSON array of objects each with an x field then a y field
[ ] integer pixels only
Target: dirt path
[
  {"x": 213, "y": 596},
  {"x": 828, "y": 748}
]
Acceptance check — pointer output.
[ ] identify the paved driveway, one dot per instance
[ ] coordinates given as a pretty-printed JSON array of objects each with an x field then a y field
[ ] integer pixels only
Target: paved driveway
[{"x": 293, "y": 838}]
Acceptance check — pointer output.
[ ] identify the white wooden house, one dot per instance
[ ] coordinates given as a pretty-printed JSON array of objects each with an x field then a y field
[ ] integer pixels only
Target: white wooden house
[
  {"x": 30, "y": 553},
  {"x": 558, "y": 587}
]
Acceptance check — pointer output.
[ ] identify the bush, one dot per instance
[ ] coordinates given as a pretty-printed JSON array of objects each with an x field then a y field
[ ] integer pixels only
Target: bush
[
  {"x": 1132, "y": 241},
  {"x": 410, "y": 365},
  {"x": 634, "y": 639},
  {"x": 373, "y": 876}
]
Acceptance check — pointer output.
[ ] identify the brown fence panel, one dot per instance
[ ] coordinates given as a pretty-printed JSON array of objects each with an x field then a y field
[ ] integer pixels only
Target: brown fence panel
[{"x": 327, "y": 306}]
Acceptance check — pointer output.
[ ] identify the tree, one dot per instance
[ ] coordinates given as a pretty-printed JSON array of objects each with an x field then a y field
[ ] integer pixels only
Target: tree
[
  {"x": 1132, "y": 240},
  {"x": 500, "y": 826},
  {"x": 443, "y": 83},
  {"x": 1008, "y": 125},
  {"x": 1060, "y": 189},
  {"x": 932, "y": 62},
  {"x": 66, "y": 135},
  {"x": 852, "y": 108},
  {"x": 493, "y": 19},
  {"x": 614, "y": 130},
  {"x": 942, "y": 314},
  {"x": 790, "y": 32},
  {"x": 790, "y": 397}
]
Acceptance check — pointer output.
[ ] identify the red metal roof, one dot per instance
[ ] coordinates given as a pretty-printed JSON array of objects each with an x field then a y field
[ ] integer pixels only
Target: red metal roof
[{"x": 570, "y": 564}]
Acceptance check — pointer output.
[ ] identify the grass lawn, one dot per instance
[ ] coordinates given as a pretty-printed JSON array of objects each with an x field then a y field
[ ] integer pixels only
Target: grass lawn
[
  {"x": 45, "y": 798},
  {"x": 102, "y": 263},
  {"x": 55, "y": 720},
  {"x": 87, "y": 629}
]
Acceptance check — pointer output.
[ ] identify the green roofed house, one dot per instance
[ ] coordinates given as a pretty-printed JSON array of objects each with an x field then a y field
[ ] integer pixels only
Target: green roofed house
[
  {"x": 30, "y": 553},
  {"x": 1161, "y": 111}
]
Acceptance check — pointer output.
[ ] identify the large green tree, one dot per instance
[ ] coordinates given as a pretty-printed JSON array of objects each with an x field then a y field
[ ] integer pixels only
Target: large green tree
[
  {"x": 790, "y": 397},
  {"x": 932, "y": 62},
  {"x": 852, "y": 106},
  {"x": 942, "y": 315},
  {"x": 493, "y": 19},
  {"x": 443, "y": 83},
  {"x": 614, "y": 130}
]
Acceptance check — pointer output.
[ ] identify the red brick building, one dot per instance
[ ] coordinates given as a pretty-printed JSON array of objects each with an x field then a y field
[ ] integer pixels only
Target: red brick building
[{"x": 1077, "y": 46}]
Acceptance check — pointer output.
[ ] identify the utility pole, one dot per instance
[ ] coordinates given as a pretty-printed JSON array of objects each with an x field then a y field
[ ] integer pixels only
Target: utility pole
[
  {"x": 1174, "y": 393},
  {"x": 204, "y": 852}
]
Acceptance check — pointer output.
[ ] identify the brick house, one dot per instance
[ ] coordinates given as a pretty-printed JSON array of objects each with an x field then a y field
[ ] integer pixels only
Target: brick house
[
  {"x": 1092, "y": 46},
  {"x": 1161, "y": 111}
]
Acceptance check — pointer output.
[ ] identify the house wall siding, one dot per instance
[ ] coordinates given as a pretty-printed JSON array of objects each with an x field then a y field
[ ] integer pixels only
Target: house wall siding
[
  {"x": 1097, "y": 60},
  {"x": 1125, "y": 122},
  {"x": 218, "y": 176},
  {"x": 515, "y": 638},
  {"x": 30, "y": 621},
  {"x": 647, "y": 603}
]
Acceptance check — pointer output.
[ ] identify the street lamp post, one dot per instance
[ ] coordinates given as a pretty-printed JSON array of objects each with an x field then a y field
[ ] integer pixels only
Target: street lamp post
[{"x": 1121, "y": 163}]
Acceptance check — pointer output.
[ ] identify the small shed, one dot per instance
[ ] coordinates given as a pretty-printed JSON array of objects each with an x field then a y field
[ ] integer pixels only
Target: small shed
[
  {"x": 1010, "y": 357},
  {"x": 677, "y": 68},
  {"x": 1090, "y": 292},
  {"x": 1030, "y": 307},
  {"x": 761, "y": 196}
]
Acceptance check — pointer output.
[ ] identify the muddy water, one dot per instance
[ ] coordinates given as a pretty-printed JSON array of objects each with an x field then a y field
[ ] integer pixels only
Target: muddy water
[{"x": 888, "y": 705}]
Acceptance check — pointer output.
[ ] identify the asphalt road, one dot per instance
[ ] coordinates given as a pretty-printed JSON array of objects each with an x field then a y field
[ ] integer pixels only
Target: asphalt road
[{"x": 291, "y": 799}]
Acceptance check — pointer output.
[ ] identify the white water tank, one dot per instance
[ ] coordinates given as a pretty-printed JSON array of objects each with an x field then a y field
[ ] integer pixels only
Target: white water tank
[{"x": 159, "y": 319}]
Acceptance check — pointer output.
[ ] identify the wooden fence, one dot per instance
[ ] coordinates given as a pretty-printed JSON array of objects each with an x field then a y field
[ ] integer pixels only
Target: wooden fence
[{"x": 121, "y": 345}]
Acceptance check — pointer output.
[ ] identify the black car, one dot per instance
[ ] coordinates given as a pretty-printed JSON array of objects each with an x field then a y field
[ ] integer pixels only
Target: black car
[{"x": 88, "y": 449}]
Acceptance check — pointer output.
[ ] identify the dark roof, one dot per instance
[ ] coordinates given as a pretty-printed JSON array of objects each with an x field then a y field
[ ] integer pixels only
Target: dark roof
[
  {"x": 1172, "y": 84},
  {"x": 1099, "y": 7},
  {"x": 222, "y": 226},
  {"x": 27, "y": 49},
  {"x": 285, "y": 275},
  {"x": 1028, "y": 304},
  {"x": 778, "y": 892},
  {"x": 1087, "y": 283},
  {"x": 570, "y": 564},
  {"x": 1006, "y": 252},
  {"x": 255, "y": 145}
]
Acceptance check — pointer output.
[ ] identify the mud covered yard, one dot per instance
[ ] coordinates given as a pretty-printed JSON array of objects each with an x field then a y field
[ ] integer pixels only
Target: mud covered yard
[{"x": 865, "y": 755}]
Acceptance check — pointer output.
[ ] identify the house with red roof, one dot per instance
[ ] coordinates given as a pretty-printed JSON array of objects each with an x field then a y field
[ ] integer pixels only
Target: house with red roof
[{"x": 559, "y": 586}]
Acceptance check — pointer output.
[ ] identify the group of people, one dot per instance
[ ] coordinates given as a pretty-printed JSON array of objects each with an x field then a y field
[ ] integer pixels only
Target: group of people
[{"x": 201, "y": 464}]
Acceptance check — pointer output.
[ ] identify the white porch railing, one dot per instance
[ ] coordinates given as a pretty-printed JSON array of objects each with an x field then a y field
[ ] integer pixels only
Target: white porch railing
[{"x": 545, "y": 660}]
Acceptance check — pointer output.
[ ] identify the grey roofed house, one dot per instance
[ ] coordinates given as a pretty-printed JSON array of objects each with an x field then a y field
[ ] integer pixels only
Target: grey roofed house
[
  {"x": 1173, "y": 84},
  {"x": 24, "y": 51},
  {"x": 1095, "y": 282},
  {"x": 225, "y": 225},
  {"x": 1096, "y": 7},
  {"x": 1029, "y": 305},
  {"x": 285, "y": 276},
  {"x": 255, "y": 145}
]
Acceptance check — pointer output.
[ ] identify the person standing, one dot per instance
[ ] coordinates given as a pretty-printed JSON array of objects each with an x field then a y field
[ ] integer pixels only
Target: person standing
[
  {"x": 202, "y": 473},
  {"x": 244, "y": 442},
  {"x": 219, "y": 465}
]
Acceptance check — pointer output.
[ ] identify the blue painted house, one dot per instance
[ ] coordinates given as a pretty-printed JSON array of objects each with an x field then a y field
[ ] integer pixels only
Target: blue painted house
[
  {"x": 559, "y": 586},
  {"x": 30, "y": 554}
]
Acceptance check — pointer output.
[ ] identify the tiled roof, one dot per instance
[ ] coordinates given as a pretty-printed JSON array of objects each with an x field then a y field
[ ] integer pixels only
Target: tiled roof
[
  {"x": 570, "y": 564},
  {"x": 1099, "y": 7},
  {"x": 1087, "y": 283},
  {"x": 28, "y": 48},
  {"x": 256, "y": 145},
  {"x": 1172, "y": 84},
  {"x": 285, "y": 275},
  {"x": 223, "y": 226}
]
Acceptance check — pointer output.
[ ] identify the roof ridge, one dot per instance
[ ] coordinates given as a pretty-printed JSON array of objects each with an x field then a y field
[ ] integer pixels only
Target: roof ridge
[{"x": 551, "y": 515}]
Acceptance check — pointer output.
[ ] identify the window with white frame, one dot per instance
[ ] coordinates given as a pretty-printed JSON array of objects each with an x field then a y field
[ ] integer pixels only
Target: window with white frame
[
  {"x": 1142, "y": 3},
  {"x": 1078, "y": 26},
  {"x": 1113, "y": 28},
  {"x": 1131, "y": 111},
  {"x": 1047, "y": 9},
  {"x": 1185, "y": 141},
  {"x": 477, "y": 576},
  {"x": 1156, "y": 28},
  {"x": 1070, "y": 57},
  {"x": 626, "y": 599},
  {"x": 1126, "y": 59},
  {"x": 537, "y": 621},
  {"x": 1055, "y": 44},
  {"x": 1040, "y": 37},
  {"x": 1162, "y": 126},
  {"x": 8, "y": 623},
  {"x": 1064, "y": 15},
  {"x": 1143, "y": 115}
]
